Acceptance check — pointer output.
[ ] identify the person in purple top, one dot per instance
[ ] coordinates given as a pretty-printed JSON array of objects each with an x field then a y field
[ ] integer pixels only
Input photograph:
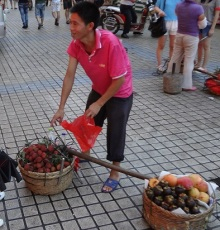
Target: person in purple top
[{"x": 191, "y": 18}]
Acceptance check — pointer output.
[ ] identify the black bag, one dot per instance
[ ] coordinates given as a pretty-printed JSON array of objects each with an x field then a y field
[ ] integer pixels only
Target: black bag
[{"x": 158, "y": 28}]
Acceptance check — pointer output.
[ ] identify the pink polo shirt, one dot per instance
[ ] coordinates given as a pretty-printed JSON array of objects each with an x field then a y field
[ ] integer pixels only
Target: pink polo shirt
[{"x": 108, "y": 61}]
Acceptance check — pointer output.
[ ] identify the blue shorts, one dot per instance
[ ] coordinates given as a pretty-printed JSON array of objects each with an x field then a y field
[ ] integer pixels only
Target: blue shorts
[
  {"x": 205, "y": 32},
  {"x": 39, "y": 10}
]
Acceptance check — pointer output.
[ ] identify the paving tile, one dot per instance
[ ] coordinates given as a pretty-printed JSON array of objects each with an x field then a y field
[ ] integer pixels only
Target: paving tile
[
  {"x": 33, "y": 221},
  {"x": 102, "y": 220},
  {"x": 86, "y": 223},
  {"x": 70, "y": 225}
]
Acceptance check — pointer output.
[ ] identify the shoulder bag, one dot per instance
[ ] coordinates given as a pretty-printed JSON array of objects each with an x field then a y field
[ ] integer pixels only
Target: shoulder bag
[{"x": 158, "y": 28}]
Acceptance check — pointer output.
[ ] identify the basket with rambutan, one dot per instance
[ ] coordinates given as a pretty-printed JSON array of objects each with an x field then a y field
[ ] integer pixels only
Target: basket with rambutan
[{"x": 46, "y": 167}]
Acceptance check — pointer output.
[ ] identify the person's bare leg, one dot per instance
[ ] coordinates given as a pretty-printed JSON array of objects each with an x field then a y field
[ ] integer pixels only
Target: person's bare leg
[
  {"x": 200, "y": 52},
  {"x": 171, "y": 45},
  {"x": 114, "y": 175},
  {"x": 54, "y": 14},
  {"x": 160, "y": 46},
  {"x": 38, "y": 20},
  {"x": 207, "y": 44}
]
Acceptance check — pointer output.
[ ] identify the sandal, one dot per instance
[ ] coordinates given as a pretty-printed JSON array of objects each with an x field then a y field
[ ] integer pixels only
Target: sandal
[
  {"x": 202, "y": 69},
  {"x": 161, "y": 69},
  {"x": 110, "y": 183},
  {"x": 191, "y": 89}
]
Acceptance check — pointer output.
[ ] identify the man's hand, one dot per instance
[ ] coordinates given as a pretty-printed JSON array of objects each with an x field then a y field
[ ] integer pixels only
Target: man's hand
[
  {"x": 93, "y": 110},
  {"x": 58, "y": 117}
]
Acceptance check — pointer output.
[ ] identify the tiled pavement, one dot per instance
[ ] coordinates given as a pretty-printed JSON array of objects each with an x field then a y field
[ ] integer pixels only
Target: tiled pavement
[{"x": 178, "y": 133}]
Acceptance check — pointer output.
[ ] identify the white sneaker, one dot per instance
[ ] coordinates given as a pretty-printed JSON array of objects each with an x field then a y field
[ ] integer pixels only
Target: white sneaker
[
  {"x": 2, "y": 195},
  {"x": 1, "y": 222}
]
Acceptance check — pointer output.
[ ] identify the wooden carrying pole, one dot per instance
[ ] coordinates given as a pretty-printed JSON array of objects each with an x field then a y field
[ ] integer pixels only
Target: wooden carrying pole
[{"x": 107, "y": 165}]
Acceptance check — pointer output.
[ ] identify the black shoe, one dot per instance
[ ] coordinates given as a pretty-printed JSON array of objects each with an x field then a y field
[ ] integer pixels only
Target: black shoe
[
  {"x": 68, "y": 22},
  {"x": 124, "y": 36},
  {"x": 55, "y": 23},
  {"x": 137, "y": 32},
  {"x": 39, "y": 26}
]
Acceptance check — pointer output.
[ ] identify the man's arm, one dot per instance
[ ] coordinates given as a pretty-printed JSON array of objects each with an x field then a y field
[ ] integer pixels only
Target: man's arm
[
  {"x": 66, "y": 89},
  {"x": 110, "y": 92}
]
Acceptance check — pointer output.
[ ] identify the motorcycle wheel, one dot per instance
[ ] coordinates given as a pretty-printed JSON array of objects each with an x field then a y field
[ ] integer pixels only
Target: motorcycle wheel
[{"x": 110, "y": 23}]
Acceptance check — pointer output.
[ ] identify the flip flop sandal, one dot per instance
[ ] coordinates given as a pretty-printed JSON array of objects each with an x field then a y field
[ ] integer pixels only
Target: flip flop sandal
[{"x": 110, "y": 183}]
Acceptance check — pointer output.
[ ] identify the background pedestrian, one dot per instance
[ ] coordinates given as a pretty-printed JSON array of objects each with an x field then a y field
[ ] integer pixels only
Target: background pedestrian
[
  {"x": 166, "y": 9},
  {"x": 212, "y": 13}
]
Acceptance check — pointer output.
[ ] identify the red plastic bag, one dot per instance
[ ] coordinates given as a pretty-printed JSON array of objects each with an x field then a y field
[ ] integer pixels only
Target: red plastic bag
[{"x": 84, "y": 130}]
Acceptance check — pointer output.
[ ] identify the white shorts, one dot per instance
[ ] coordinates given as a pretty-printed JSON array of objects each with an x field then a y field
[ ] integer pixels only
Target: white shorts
[
  {"x": 55, "y": 6},
  {"x": 172, "y": 27}
]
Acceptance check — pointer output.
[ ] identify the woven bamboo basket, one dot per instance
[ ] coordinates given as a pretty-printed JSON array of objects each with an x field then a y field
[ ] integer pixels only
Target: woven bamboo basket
[
  {"x": 47, "y": 183},
  {"x": 161, "y": 219}
]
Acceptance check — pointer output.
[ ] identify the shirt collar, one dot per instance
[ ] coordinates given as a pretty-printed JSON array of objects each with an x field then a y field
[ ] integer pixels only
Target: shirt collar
[{"x": 98, "y": 44}]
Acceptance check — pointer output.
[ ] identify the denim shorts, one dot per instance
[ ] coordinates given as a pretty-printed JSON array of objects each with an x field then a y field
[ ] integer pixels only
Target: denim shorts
[
  {"x": 39, "y": 10},
  {"x": 205, "y": 32}
]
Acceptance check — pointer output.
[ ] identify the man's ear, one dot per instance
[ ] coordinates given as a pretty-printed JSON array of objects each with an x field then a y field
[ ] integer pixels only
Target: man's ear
[{"x": 91, "y": 25}]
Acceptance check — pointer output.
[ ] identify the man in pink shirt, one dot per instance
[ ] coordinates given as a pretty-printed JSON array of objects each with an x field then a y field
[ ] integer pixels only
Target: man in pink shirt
[{"x": 106, "y": 63}]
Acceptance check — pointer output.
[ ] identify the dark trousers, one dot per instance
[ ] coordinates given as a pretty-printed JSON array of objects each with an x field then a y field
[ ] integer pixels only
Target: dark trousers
[
  {"x": 116, "y": 111},
  {"x": 130, "y": 17}
]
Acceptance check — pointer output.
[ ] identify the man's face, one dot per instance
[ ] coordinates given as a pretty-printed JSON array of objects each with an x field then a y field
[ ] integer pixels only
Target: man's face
[{"x": 78, "y": 28}]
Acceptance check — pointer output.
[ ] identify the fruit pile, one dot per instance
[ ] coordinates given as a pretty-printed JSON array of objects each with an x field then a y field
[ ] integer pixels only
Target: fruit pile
[
  {"x": 44, "y": 157},
  {"x": 184, "y": 192}
]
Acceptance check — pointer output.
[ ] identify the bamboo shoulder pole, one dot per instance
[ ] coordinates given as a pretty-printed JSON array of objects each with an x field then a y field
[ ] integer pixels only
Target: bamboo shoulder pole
[{"x": 108, "y": 165}]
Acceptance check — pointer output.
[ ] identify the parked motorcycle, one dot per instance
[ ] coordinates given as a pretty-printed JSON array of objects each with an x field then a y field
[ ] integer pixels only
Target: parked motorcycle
[{"x": 113, "y": 20}]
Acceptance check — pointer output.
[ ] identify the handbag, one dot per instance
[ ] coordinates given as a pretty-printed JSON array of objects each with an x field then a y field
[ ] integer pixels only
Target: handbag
[{"x": 158, "y": 28}]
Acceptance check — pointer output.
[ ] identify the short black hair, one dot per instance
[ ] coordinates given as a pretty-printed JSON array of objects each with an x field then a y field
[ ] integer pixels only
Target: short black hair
[{"x": 88, "y": 12}]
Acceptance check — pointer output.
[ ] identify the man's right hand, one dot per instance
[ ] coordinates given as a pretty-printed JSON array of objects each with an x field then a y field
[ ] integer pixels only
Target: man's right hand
[{"x": 57, "y": 118}]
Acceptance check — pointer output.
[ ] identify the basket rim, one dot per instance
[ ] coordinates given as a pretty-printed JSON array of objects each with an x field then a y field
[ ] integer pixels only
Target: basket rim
[{"x": 50, "y": 175}]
